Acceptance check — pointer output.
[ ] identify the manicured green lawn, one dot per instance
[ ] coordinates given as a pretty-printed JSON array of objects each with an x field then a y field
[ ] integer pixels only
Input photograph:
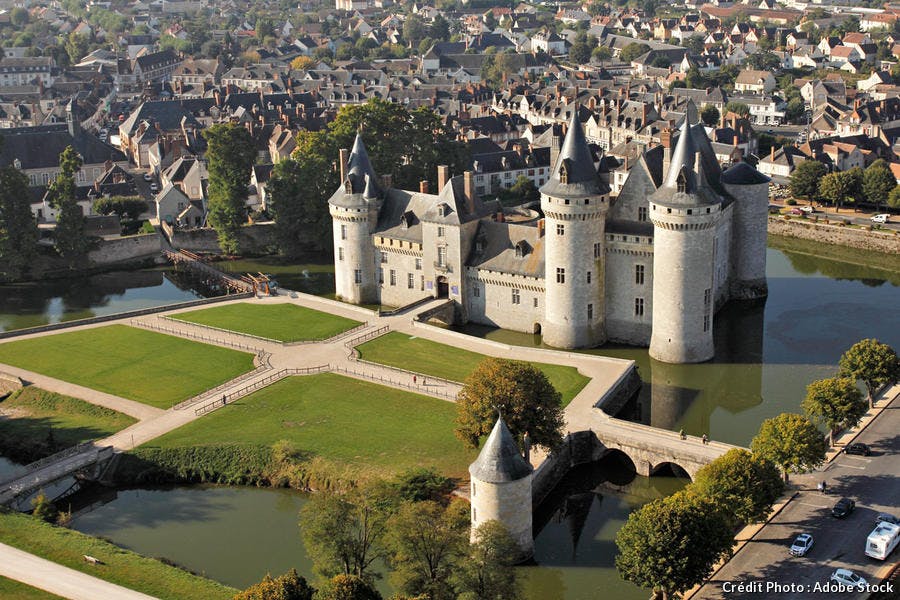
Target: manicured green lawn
[
  {"x": 146, "y": 366},
  {"x": 31, "y": 414},
  {"x": 282, "y": 322},
  {"x": 431, "y": 358},
  {"x": 373, "y": 429},
  {"x": 15, "y": 590},
  {"x": 123, "y": 567}
]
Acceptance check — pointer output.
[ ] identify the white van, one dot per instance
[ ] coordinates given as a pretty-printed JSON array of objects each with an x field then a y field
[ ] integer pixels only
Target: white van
[
  {"x": 882, "y": 541},
  {"x": 882, "y": 218}
]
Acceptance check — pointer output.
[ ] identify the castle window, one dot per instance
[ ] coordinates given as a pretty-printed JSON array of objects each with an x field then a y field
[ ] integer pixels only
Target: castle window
[
  {"x": 421, "y": 282},
  {"x": 598, "y": 250},
  {"x": 705, "y": 322},
  {"x": 590, "y": 312},
  {"x": 343, "y": 232},
  {"x": 639, "y": 274},
  {"x": 410, "y": 281},
  {"x": 669, "y": 211},
  {"x": 690, "y": 211},
  {"x": 707, "y": 298},
  {"x": 357, "y": 276},
  {"x": 560, "y": 275},
  {"x": 639, "y": 307},
  {"x": 418, "y": 264},
  {"x": 440, "y": 231},
  {"x": 588, "y": 277},
  {"x": 515, "y": 297},
  {"x": 384, "y": 258},
  {"x": 340, "y": 254},
  {"x": 442, "y": 256},
  {"x": 566, "y": 201},
  {"x": 560, "y": 229},
  {"x": 476, "y": 291},
  {"x": 587, "y": 200},
  {"x": 393, "y": 277},
  {"x": 707, "y": 211},
  {"x": 535, "y": 302},
  {"x": 642, "y": 213}
]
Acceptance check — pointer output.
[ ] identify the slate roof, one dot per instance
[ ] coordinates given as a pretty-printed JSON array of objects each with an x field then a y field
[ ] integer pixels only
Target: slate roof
[
  {"x": 497, "y": 246},
  {"x": 40, "y": 147},
  {"x": 743, "y": 174},
  {"x": 499, "y": 460},
  {"x": 575, "y": 155}
]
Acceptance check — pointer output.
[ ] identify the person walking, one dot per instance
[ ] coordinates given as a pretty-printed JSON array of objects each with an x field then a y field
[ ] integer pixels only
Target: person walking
[
  {"x": 414, "y": 380},
  {"x": 223, "y": 399},
  {"x": 705, "y": 439}
]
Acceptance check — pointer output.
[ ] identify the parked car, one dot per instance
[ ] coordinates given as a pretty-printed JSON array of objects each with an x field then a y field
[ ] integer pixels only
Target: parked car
[
  {"x": 843, "y": 508},
  {"x": 857, "y": 448},
  {"x": 154, "y": 187},
  {"x": 802, "y": 544},
  {"x": 807, "y": 209},
  {"x": 148, "y": 177},
  {"x": 849, "y": 578},
  {"x": 887, "y": 518},
  {"x": 882, "y": 218},
  {"x": 795, "y": 211}
]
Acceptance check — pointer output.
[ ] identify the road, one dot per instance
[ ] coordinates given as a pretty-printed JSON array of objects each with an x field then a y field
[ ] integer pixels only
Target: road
[{"x": 872, "y": 482}]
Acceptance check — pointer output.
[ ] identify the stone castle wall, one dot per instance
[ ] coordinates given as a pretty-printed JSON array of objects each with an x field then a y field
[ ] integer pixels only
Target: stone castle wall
[
  {"x": 125, "y": 249},
  {"x": 806, "y": 229},
  {"x": 509, "y": 503}
]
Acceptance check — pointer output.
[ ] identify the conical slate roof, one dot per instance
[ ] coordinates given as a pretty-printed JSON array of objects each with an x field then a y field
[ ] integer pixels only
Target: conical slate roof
[
  {"x": 693, "y": 175},
  {"x": 359, "y": 167},
  {"x": 683, "y": 157},
  {"x": 499, "y": 460},
  {"x": 575, "y": 159},
  {"x": 743, "y": 174}
]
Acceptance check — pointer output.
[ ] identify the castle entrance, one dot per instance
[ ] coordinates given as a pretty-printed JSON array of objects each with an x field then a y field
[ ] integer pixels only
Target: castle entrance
[{"x": 443, "y": 287}]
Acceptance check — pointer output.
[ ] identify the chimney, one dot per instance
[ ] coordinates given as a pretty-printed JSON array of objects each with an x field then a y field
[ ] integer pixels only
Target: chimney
[
  {"x": 443, "y": 174},
  {"x": 555, "y": 146},
  {"x": 469, "y": 191},
  {"x": 665, "y": 139},
  {"x": 344, "y": 157},
  {"x": 735, "y": 140},
  {"x": 540, "y": 226},
  {"x": 500, "y": 217},
  {"x": 423, "y": 186},
  {"x": 772, "y": 153}
]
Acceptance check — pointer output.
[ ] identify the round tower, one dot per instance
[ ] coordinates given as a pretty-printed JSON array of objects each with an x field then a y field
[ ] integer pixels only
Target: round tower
[
  {"x": 574, "y": 202},
  {"x": 750, "y": 190},
  {"x": 501, "y": 488},
  {"x": 354, "y": 209},
  {"x": 684, "y": 211}
]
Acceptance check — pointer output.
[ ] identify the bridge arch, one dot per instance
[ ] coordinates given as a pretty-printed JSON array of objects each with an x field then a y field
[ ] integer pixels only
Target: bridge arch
[{"x": 670, "y": 468}]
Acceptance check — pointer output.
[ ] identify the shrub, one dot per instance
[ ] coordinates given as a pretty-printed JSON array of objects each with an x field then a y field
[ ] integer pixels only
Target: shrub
[{"x": 791, "y": 202}]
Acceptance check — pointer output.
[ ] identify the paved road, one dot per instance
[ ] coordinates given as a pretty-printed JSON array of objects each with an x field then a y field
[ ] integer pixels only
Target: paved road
[
  {"x": 872, "y": 482},
  {"x": 60, "y": 580}
]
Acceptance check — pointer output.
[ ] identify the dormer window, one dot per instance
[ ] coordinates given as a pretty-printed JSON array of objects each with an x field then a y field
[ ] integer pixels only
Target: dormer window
[
  {"x": 564, "y": 171},
  {"x": 443, "y": 209},
  {"x": 681, "y": 182},
  {"x": 348, "y": 187},
  {"x": 522, "y": 248}
]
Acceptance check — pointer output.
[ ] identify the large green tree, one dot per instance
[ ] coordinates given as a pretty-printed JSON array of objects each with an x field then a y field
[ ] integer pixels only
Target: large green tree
[
  {"x": 18, "y": 229},
  {"x": 805, "y": 179},
  {"x": 710, "y": 115},
  {"x": 71, "y": 241},
  {"x": 873, "y": 363},
  {"x": 230, "y": 156},
  {"x": 742, "y": 484},
  {"x": 790, "y": 441},
  {"x": 289, "y": 586},
  {"x": 633, "y": 50},
  {"x": 878, "y": 182},
  {"x": 126, "y": 207},
  {"x": 487, "y": 570},
  {"x": 671, "y": 544},
  {"x": 347, "y": 587},
  {"x": 835, "y": 402},
  {"x": 520, "y": 392}
]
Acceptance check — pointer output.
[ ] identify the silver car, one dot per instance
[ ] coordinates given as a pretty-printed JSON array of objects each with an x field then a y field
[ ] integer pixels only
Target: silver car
[{"x": 802, "y": 544}]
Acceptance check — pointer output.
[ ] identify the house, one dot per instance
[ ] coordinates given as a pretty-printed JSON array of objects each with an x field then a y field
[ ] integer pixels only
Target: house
[
  {"x": 841, "y": 55},
  {"x": 755, "y": 82},
  {"x": 36, "y": 70},
  {"x": 549, "y": 42},
  {"x": 877, "y": 21},
  {"x": 156, "y": 66}
]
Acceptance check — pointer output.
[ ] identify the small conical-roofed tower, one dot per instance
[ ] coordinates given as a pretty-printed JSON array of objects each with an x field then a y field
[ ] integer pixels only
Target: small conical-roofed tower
[
  {"x": 574, "y": 202},
  {"x": 750, "y": 190},
  {"x": 354, "y": 211},
  {"x": 684, "y": 211},
  {"x": 501, "y": 488}
]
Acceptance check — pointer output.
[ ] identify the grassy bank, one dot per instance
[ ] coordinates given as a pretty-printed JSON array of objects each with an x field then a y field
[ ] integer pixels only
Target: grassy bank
[
  {"x": 35, "y": 423},
  {"x": 336, "y": 430},
  {"x": 282, "y": 322},
  {"x": 13, "y": 590},
  {"x": 122, "y": 567},
  {"x": 153, "y": 368},
  {"x": 431, "y": 358}
]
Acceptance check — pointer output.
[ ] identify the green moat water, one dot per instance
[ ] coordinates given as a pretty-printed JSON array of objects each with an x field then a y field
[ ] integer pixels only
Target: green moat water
[{"x": 765, "y": 356}]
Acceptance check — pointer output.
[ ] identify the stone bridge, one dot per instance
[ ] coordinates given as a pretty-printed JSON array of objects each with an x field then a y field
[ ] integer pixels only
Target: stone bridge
[{"x": 85, "y": 458}]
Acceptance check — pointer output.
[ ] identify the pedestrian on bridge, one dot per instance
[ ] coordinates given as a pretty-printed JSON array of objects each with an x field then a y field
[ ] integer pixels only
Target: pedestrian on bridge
[
  {"x": 223, "y": 399},
  {"x": 705, "y": 439}
]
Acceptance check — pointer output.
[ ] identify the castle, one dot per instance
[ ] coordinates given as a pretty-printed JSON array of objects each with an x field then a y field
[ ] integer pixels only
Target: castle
[{"x": 647, "y": 267}]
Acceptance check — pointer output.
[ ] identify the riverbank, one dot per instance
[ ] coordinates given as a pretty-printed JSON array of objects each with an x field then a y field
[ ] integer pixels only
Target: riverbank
[{"x": 824, "y": 232}]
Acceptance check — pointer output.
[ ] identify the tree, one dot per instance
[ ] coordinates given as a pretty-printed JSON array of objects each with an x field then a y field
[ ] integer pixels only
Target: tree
[
  {"x": 710, "y": 115},
  {"x": 347, "y": 587},
  {"x": 487, "y": 570},
  {"x": 76, "y": 47},
  {"x": 344, "y": 535},
  {"x": 425, "y": 541},
  {"x": 791, "y": 442},
  {"x": 230, "y": 155},
  {"x": 878, "y": 182},
  {"x": 837, "y": 188},
  {"x": 520, "y": 392},
  {"x": 71, "y": 242},
  {"x": 440, "y": 29},
  {"x": 301, "y": 63},
  {"x": 738, "y": 108},
  {"x": 671, "y": 544},
  {"x": 743, "y": 485},
  {"x": 289, "y": 586},
  {"x": 43, "y": 508},
  {"x": 18, "y": 229},
  {"x": 805, "y": 179},
  {"x": 764, "y": 61},
  {"x": 580, "y": 53},
  {"x": 796, "y": 108},
  {"x": 414, "y": 30},
  {"x": 18, "y": 16},
  {"x": 419, "y": 484},
  {"x": 632, "y": 51},
  {"x": 520, "y": 192},
  {"x": 835, "y": 402},
  {"x": 872, "y": 362},
  {"x": 601, "y": 53},
  {"x": 126, "y": 207},
  {"x": 894, "y": 198}
]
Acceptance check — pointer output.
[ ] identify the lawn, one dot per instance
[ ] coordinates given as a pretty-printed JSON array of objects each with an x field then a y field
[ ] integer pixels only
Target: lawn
[
  {"x": 282, "y": 322},
  {"x": 122, "y": 567},
  {"x": 31, "y": 414},
  {"x": 153, "y": 368},
  {"x": 431, "y": 358},
  {"x": 14, "y": 590},
  {"x": 374, "y": 429}
]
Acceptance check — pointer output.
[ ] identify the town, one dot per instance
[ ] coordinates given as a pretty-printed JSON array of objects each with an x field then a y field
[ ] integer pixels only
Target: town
[{"x": 455, "y": 300}]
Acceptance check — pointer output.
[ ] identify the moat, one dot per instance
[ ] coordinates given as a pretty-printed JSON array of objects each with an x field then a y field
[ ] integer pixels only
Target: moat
[{"x": 765, "y": 356}]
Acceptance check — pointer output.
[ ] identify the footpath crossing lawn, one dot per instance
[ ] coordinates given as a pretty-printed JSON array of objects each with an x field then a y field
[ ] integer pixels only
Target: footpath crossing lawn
[
  {"x": 281, "y": 322},
  {"x": 123, "y": 567},
  {"x": 149, "y": 367},
  {"x": 431, "y": 358},
  {"x": 12, "y": 589},
  {"x": 373, "y": 429}
]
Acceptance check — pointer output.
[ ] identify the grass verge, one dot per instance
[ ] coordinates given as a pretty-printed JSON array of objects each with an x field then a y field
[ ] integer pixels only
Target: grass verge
[
  {"x": 281, "y": 322},
  {"x": 15, "y": 590},
  {"x": 122, "y": 567},
  {"x": 35, "y": 423},
  {"x": 432, "y": 358},
  {"x": 153, "y": 368}
]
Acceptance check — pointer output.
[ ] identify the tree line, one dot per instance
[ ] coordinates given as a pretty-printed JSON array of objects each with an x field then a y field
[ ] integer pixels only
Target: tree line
[{"x": 876, "y": 184}]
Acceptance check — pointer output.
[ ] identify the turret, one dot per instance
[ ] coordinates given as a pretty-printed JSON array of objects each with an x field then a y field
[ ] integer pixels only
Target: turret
[
  {"x": 354, "y": 211},
  {"x": 574, "y": 202},
  {"x": 684, "y": 211},
  {"x": 750, "y": 190},
  {"x": 501, "y": 488}
]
